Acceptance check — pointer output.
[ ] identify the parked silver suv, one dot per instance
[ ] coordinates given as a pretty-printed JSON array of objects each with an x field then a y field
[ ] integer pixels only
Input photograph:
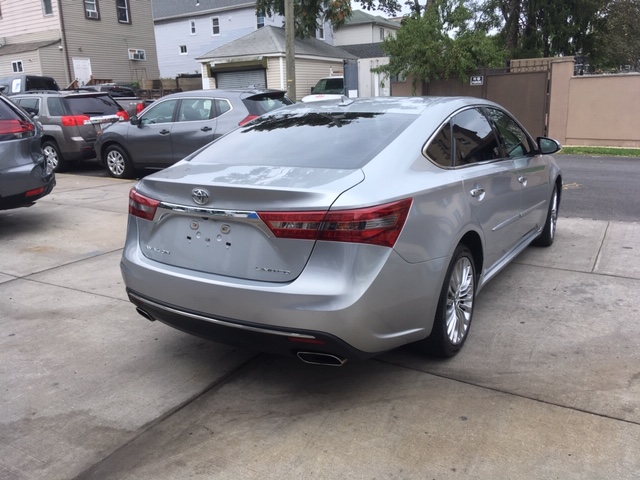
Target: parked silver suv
[{"x": 71, "y": 121}]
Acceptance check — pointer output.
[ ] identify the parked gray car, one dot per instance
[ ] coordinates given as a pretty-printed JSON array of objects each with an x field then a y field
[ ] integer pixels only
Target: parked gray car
[
  {"x": 341, "y": 230},
  {"x": 178, "y": 124},
  {"x": 71, "y": 121},
  {"x": 25, "y": 175}
]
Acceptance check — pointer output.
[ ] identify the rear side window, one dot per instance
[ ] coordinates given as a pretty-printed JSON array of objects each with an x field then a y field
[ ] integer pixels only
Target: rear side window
[
  {"x": 55, "y": 106},
  {"x": 261, "y": 104},
  {"x": 91, "y": 105},
  {"x": 440, "y": 148},
  {"x": 313, "y": 140}
]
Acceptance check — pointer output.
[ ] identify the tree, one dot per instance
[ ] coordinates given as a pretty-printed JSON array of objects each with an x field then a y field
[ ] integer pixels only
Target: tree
[
  {"x": 442, "y": 42},
  {"x": 310, "y": 14},
  {"x": 615, "y": 40},
  {"x": 542, "y": 28}
]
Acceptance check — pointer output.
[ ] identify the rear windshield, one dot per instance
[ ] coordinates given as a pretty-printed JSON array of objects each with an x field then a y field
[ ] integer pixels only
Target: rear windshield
[
  {"x": 342, "y": 140},
  {"x": 41, "y": 83},
  {"x": 90, "y": 105},
  {"x": 265, "y": 103},
  {"x": 329, "y": 86}
]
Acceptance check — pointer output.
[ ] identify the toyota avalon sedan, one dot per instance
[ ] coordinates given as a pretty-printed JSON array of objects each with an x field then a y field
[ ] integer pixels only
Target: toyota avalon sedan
[{"x": 340, "y": 230}]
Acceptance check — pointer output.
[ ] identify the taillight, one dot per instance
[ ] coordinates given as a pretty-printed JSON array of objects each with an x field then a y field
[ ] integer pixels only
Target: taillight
[
  {"x": 18, "y": 128},
  {"x": 74, "y": 120},
  {"x": 33, "y": 193},
  {"x": 141, "y": 206},
  {"x": 139, "y": 107},
  {"x": 379, "y": 225},
  {"x": 247, "y": 119},
  {"x": 123, "y": 115}
]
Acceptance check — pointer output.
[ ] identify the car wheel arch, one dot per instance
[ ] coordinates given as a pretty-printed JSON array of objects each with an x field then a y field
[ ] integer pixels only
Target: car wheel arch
[{"x": 472, "y": 240}]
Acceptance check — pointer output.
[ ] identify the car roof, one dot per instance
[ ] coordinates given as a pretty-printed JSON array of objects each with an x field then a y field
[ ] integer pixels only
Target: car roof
[
  {"x": 410, "y": 105},
  {"x": 225, "y": 93}
]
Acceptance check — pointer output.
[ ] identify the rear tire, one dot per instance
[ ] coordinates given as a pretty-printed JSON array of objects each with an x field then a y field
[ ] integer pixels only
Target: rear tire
[
  {"x": 54, "y": 158},
  {"x": 548, "y": 235},
  {"x": 455, "y": 306},
  {"x": 117, "y": 162}
]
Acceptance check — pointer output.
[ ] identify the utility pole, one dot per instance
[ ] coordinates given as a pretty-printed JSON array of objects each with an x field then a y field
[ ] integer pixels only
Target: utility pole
[{"x": 290, "y": 34}]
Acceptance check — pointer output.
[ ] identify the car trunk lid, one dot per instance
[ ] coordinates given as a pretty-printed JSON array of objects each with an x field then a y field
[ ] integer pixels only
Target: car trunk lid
[{"x": 209, "y": 220}]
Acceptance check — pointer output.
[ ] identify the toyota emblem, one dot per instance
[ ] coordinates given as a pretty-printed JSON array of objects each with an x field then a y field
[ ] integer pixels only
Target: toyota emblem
[{"x": 200, "y": 196}]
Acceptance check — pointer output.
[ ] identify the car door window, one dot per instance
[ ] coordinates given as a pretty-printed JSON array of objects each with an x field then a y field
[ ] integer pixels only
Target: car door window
[
  {"x": 515, "y": 141},
  {"x": 31, "y": 105},
  {"x": 159, "y": 113},
  {"x": 439, "y": 150},
  {"x": 474, "y": 139},
  {"x": 195, "y": 109}
]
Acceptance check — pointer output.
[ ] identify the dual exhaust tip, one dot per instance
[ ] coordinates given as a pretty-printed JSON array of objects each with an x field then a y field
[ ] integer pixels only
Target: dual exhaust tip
[{"x": 312, "y": 358}]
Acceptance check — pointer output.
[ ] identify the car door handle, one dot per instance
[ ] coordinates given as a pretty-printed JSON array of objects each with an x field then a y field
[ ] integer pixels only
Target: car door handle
[
  {"x": 477, "y": 192},
  {"x": 164, "y": 132},
  {"x": 206, "y": 129},
  {"x": 523, "y": 180}
]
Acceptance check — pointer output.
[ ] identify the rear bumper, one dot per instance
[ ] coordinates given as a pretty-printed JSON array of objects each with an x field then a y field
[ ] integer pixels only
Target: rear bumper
[
  {"x": 245, "y": 334},
  {"x": 358, "y": 300},
  {"x": 21, "y": 186}
]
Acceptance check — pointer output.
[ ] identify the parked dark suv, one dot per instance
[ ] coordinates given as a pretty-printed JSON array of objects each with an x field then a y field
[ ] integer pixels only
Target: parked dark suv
[
  {"x": 179, "y": 124},
  {"x": 25, "y": 175},
  {"x": 70, "y": 121}
]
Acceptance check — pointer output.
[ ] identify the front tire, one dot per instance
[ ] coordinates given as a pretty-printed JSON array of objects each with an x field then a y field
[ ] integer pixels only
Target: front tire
[
  {"x": 455, "y": 306},
  {"x": 118, "y": 162},
  {"x": 548, "y": 235},
  {"x": 54, "y": 158}
]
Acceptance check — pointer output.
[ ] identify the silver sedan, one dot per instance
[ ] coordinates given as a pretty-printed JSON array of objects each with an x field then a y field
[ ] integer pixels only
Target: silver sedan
[{"x": 340, "y": 230}]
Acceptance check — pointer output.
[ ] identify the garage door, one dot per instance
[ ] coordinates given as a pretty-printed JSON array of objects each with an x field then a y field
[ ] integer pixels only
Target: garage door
[{"x": 244, "y": 79}]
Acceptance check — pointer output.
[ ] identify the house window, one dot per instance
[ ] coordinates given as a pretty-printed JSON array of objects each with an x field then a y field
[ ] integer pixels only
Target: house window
[
  {"x": 47, "y": 8},
  {"x": 183, "y": 49},
  {"x": 320, "y": 33},
  {"x": 17, "y": 66},
  {"x": 192, "y": 26},
  {"x": 215, "y": 26},
  {"x": 124, "y": 15},
  {"x": 91, "y": 9},
  {"x": 260, "y": 21},
  {"x": 381, "y": 33}
]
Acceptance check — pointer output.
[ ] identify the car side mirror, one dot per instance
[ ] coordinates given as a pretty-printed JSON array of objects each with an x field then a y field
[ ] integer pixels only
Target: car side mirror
[
  {"x": 134, "y": 120},
  {"x": 547, "y": 146}
]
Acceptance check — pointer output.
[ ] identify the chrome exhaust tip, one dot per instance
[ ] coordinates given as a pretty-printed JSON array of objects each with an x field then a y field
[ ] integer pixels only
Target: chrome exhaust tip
[
  {"x": 145, "y": 314},
  {"x": 326, "y": 359}
]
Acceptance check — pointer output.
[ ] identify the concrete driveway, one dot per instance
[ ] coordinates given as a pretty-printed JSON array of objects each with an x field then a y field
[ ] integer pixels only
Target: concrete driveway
[{"x": 547, "y": 386}]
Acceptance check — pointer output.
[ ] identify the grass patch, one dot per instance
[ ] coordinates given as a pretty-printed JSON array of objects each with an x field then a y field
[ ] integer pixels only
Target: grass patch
[{"x": 602, "y": 151}]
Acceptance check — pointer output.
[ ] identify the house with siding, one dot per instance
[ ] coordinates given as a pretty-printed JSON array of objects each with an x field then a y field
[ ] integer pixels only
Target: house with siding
[
  {"x": 259, "y": 59},
  {"x": 362, "y": 36},
  {"x": 78, "y": 40},
  {"x": 187, "y": 30}
]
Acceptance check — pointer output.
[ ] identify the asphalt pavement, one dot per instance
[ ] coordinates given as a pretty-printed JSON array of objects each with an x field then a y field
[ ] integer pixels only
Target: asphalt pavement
[{"x": 547, "y": 386}]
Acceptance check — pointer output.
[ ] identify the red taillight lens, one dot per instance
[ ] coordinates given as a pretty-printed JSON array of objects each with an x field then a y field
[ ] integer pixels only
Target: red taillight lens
[
  {"x": 141, "y": 206},
  {"x": 139, "y": 107},
  {"x": 379, "y": 225},
  {"x": 16, "y": 127},
  {"x": 33, "y": 193},
  {"x": 74, "y": 120},
  {"x": 123, "y": 115},
  {"x": 247, "y": 119}
]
